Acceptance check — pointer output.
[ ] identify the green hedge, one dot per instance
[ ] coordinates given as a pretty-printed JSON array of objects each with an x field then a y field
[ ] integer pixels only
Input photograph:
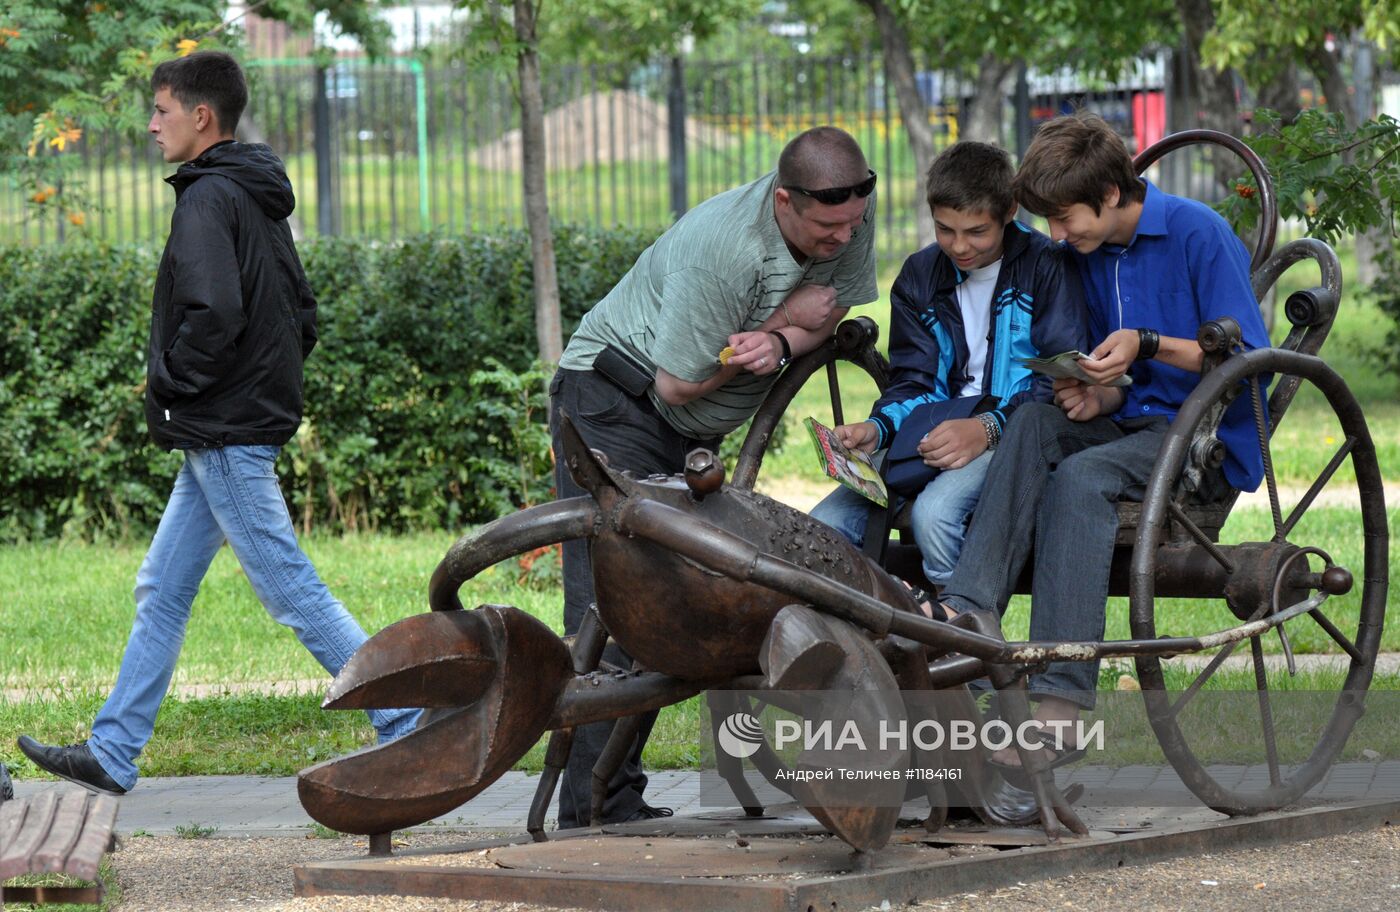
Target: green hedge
[{"x": 424, "y": 408}]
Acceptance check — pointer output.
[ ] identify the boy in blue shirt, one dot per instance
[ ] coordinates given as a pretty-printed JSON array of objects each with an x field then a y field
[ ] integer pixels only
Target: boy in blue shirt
[
  {"x": 1154, "y": 268},
  {"x": 963, "y": 312}
]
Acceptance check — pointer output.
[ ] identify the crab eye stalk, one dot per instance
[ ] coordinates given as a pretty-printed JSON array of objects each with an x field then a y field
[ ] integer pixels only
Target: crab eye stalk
[{"x": 704, "y": 473}]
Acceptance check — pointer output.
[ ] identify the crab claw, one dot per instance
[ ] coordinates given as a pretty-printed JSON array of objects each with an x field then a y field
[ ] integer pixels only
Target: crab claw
[
  {"x": 441, "y": 659},
  {"x": 502, "y": 669}
]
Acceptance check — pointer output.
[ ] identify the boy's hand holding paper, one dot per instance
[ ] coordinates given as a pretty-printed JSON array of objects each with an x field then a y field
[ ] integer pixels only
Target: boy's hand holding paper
[
  {"x": 859, "y": 436},
  {"x": 1112, "y": 357},
  {"x": 852, "y": 467},
  {"x": 1075, "y": 365}
]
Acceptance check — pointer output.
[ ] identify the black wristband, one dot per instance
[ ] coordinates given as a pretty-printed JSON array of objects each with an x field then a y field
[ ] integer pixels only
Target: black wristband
[
  {"x": 787, "y": 349},
  {"x": 1148, "y": 343}
]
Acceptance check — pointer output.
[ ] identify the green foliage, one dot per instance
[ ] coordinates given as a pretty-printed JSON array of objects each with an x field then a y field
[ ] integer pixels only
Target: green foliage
[
  {"x": 1090, "y": 37},
  {"x": 585, "y": 31},
  {"x": 195, "y": 830},
  {"x": 68, "y": 67},
  {"x": 1386, "y": 292},
  {"x": 73, "y": 456},
  {"x": 514, "y": 406},
  {"x": 424, "y": 405},
  {"x": 1338, "y": 181},
  {"x": 1246, "y": 32}
]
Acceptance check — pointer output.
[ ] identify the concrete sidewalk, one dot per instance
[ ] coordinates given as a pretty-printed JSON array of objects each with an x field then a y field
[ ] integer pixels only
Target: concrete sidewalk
[{"x": 268, "y": 806}]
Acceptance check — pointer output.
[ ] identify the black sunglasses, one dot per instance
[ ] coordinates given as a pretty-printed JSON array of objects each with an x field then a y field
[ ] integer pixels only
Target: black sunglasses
[{"x": 835, "y": 196}]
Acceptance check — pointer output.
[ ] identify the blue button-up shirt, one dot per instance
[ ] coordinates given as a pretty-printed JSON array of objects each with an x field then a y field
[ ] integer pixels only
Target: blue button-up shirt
[{"x": 1183, "y": 266}]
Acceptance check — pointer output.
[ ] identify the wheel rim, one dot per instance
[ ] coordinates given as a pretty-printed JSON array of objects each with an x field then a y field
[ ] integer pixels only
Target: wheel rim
[{"x": 1285, "y": 786}]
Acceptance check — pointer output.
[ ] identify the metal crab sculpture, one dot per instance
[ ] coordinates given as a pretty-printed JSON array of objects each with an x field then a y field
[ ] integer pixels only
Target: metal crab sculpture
[
  {"x": 707, "y": 586},
  {"x": 711, "y": 586}
]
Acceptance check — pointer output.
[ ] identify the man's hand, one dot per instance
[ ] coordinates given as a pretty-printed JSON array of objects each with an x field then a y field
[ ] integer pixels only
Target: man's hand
[
  {"x": 954, "y": 443},
  {"x": 756, "y": 352},
  {"x": 1083, "y": 402},
  {"x": 810, "y": 306},
  {"x": 1113, "y": 356},
  {"x": 862, "y": 435}
]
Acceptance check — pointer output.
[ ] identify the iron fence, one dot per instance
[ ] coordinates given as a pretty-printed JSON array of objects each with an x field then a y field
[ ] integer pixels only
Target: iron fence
[{"x": 398, "y": 147}]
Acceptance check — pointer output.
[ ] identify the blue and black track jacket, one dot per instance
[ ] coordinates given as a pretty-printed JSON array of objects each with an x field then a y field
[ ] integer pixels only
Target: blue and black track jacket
[{"x": 1037, "y": 311}]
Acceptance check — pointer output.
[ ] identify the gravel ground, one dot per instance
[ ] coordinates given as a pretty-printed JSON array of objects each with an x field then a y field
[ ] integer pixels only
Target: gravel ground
[
  {"x": 1350, "y": 873},
  {"x": 1354, "y": 873},
  {"x": 170, "y": 874}
]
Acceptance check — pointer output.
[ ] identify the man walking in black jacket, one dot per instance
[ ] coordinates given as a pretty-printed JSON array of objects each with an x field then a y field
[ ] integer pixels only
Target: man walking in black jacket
[{"x": 232, "y": 321}]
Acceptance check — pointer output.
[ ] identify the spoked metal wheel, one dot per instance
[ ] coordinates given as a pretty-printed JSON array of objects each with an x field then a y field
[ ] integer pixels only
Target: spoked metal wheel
[
  {"x": 854, "y": 341},
  {"x": 1298, "y": 567}
]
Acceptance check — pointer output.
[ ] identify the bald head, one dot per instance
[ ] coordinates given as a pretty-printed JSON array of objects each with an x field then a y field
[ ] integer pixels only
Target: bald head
[{"x": 820, "y": 158}]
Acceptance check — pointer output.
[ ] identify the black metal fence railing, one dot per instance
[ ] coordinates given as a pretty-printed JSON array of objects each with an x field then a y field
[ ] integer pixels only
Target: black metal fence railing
[{"x": 397, "y": 147}]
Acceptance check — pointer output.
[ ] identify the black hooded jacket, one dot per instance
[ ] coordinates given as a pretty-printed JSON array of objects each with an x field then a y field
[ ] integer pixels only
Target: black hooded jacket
[{"x": 233, "y": 316}]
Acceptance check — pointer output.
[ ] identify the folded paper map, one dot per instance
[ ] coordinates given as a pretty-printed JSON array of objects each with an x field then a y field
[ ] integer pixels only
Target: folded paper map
[{"x": 1065, "y": 366}]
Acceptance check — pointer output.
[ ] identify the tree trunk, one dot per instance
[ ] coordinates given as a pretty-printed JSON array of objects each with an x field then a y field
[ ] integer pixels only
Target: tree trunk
[
  {"x": 899, "y": 69},
  {"x": 549, "y": 332},
  {"x": 1214, "y": 89},
  {"x": 1281, "y": 92},
  {"x": 984, "y": 113},
  {"x": 1326, "y": 68}
]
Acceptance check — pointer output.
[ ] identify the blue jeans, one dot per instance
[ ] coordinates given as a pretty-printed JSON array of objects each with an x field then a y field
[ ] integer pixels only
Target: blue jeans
[
  {"x": 229, "y": 494},
  {"x": 941, "y": 513},
  {"x": 1055, "y": 484}
]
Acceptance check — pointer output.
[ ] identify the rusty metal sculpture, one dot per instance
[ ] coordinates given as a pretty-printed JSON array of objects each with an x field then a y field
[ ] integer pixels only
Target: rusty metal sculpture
[{"x": 711, "y": 585}]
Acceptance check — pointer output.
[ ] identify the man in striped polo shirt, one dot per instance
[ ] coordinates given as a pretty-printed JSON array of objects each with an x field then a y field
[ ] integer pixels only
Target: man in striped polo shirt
[{"x": 767, "y": 270}]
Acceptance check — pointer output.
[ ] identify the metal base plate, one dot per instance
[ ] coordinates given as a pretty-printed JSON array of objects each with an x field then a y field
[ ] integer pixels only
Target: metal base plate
[
  {"x": 715, "y": 866},
  {"x": 651, "y": 857}
]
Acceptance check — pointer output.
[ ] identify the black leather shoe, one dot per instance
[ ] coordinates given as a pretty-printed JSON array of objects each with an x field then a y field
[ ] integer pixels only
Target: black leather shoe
[
  {"x": 647, "y": 812},
  {"x": 74, "y": 763}
]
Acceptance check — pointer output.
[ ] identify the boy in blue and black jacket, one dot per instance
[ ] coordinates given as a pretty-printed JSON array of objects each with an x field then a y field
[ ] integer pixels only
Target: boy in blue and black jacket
[
  {"x": 963, "y": 312},
  {"x": 1154, "y": 268}
]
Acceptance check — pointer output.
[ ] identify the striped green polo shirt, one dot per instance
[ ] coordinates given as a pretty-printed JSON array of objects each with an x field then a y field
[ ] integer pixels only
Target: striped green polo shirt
[{"x": 722, "y": 268}]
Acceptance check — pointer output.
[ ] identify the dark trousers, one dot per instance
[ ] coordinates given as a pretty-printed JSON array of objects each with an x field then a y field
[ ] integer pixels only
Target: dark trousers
[
  {"x": 1055, "y": 484},
  {"x": 634, "y": 437}
]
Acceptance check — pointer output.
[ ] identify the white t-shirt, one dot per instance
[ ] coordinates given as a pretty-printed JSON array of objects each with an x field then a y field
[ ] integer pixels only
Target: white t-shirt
[{"x": 975, "y": 302}]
